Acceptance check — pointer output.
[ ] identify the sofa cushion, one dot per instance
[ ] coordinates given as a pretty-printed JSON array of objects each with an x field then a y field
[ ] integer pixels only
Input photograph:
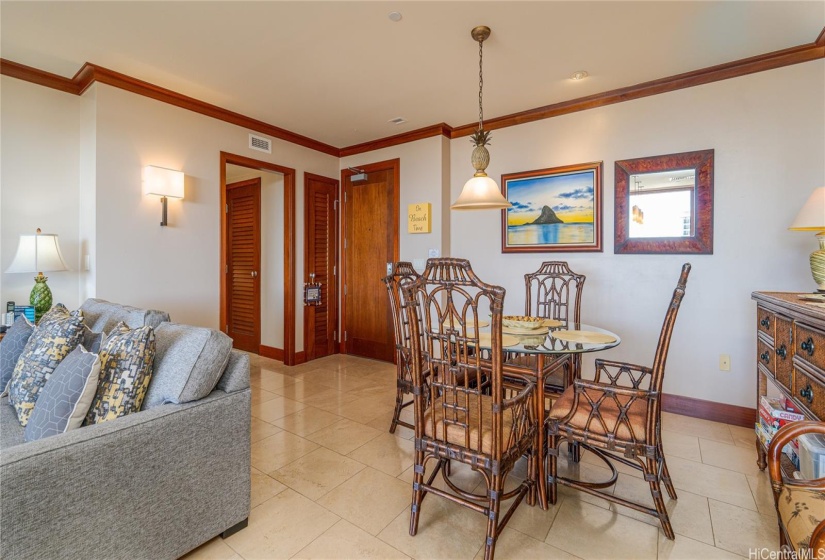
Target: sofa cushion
[
  {"x": 91, "y": 340},
  {"x": 11, "y": 347},
  {"x": 103, "y": 316},
  {"x": 11, "y": 432},
  {"x": 236, "y": 374},
  {"x": 188, "y": 363},
  {"x": 65, "y": 399},
  {"x": 55, "y": 336},
  {"x": 126, "y": 358}
]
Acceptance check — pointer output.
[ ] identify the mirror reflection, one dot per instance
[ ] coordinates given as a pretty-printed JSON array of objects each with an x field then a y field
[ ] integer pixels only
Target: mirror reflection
[{"x": 662, "y": 204}]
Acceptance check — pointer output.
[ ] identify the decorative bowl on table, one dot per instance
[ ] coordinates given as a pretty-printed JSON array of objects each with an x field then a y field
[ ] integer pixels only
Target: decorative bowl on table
[{"x": 522, "y": 322}]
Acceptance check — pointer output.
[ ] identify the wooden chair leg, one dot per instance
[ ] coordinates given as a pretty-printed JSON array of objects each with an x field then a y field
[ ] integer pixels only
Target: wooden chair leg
[
  {"x": 418, "y": 493},
  {"x": 552, "y": 468},
  {"x": 671, "y": 491},
  {"x": 658, "y": 502},
  {"x": 494, "y": 494},
  {"x": 399, "y": 401}
]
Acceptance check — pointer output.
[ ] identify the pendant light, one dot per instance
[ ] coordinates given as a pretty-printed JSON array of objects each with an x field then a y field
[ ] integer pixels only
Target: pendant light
[{"x": 480, "y": 192}]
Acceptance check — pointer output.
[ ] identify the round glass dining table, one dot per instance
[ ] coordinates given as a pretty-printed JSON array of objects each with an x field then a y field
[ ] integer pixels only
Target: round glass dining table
[{"x": 540, "y": 356}]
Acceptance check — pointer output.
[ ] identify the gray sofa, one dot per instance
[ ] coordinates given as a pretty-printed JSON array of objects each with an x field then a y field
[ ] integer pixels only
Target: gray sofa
[{"x": 154, "y": 484}]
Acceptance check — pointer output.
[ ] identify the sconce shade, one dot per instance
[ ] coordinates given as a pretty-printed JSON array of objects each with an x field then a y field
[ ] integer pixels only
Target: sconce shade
[
  {"x": 480, "y": 193},
  {"x": 812, "y": 215},
  {"x": 162, "y": 182},
  {"x": 38, "y": 253}
]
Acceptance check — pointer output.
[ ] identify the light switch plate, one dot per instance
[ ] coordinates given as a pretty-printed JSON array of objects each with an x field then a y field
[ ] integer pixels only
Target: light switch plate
[
  {"x": 433, "y": 253},
  {"x": 419, "y": 264}
]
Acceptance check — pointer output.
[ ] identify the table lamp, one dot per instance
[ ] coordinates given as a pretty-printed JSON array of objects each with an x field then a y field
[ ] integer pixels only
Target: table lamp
[
  {"x": 38, "y": 253},
  {"x": 812, "y": 218}
]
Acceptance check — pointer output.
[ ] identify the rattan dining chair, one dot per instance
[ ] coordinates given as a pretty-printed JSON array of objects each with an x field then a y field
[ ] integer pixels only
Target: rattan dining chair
[
  {"x": 461, "y": 411},
  {"x": 403, "y": 273},
  {"x": 618, "y": 417}
]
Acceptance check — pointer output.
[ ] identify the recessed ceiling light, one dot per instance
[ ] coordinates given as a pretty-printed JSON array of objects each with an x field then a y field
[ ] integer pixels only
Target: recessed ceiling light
[
  {"x": 395, "y": 16},
  {"x": 397, "y": 120},
  {"x": 580, "y": 75}
]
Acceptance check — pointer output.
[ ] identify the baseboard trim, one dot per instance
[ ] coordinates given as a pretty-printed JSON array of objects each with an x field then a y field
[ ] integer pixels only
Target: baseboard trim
[
  {"x": 709, "y": 410},
  {"x": 271, "y": 352},
  {"x": 300, "y": 358}
]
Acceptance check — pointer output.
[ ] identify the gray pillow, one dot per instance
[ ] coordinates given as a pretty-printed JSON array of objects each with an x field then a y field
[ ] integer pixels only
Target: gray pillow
[
  {"x": 188, "y": 363},
  {"x": 91, "y": 340},
  {"x": 11, "y": 347},
  {"x": 103, "y": 316},
  {"x": 65, "y": 399}
]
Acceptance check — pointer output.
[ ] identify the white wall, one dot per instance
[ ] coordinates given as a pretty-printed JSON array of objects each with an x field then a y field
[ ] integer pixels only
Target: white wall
[
  {"x": 39, "y": 183},
  {"x": 175, "y": 268},
  {"x": 768, "y": 131}
]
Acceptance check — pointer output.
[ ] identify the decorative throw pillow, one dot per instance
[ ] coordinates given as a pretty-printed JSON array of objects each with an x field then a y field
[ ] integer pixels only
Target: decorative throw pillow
[
  {"x": 11, "y": 347},
  {"x": 91, "y": 340},
  {"x": 126, "y": 358},
  {"x": 188, "y": 363},
  {"x": 55, "y": 336},
  {"x": 65, "y": 399}
]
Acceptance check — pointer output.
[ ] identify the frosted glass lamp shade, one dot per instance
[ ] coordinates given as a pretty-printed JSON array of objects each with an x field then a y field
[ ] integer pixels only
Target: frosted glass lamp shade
[
  {"x": 812, "y": 215},
  {"x": 38, "y": 253},
  {"x": 480, "y": 193},
  {"x": 162, "y": 182}
]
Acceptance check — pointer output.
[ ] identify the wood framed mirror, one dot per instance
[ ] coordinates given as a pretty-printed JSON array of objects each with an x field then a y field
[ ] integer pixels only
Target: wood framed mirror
[{"x": 664, "y": 204}]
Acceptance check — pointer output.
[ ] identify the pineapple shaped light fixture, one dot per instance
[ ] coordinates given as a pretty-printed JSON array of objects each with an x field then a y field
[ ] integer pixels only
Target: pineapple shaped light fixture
[{"x": 480, "y": 192}]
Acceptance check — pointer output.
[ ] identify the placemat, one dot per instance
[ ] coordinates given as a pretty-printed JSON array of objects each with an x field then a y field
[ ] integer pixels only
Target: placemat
[
  {"x": 550, "y": 323},
  {"x": 506, "y": 340},
  {"x": 584, "y": 336}
]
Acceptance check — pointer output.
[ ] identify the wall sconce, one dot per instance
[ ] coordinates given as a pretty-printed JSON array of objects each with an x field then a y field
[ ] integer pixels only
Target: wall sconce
[{"x": 162, "y": 182}]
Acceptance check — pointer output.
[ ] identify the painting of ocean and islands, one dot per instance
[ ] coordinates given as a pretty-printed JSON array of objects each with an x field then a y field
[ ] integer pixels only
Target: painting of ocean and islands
[{"x": 553, "y": 211}]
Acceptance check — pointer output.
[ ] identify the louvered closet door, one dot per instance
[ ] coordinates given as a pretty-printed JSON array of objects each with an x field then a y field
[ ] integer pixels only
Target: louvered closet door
[
  {"x": 321, "y": 320},
  {"x": 244, "y": 264}
]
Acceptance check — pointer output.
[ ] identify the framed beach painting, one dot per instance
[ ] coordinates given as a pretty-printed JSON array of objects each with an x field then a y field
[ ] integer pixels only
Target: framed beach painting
[{"x": 554, "y": 210}]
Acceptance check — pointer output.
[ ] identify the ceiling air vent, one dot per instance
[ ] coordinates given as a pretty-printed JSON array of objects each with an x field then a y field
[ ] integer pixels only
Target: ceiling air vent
[{"x": 260, "y": 143}]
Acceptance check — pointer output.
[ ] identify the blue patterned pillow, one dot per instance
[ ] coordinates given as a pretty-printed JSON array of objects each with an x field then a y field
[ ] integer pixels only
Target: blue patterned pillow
[
  {"x": 126, "y": 359},
  {"x": 65, "y": 399},
  {"x": 55, "y": 336},
  {"x": 11, "y": 347}
]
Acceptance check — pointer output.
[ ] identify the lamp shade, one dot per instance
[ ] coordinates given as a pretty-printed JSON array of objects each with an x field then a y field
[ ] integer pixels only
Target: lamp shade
[
  {"x": 38, "y": 253},
  {"x": 812, "y": 215},
  {"x": 480, "y": 193},
  {"x": 162, "y": 182}
]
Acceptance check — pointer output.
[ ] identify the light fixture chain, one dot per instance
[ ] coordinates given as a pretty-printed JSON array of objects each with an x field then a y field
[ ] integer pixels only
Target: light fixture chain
[{"x": 480, "y": 85}]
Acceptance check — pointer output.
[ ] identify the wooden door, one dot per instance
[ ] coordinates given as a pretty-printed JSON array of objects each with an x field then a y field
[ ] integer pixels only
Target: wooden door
[
  {"x": 320, "y": 264},
  {"x": 243, "y": 264},
  {"x": 371, "y": 216}
]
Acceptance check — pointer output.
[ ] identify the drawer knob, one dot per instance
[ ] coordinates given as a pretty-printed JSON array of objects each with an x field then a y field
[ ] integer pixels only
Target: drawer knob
[
  {"x": 765, "y": 322},
  {"x": 807, "y": 393},
  {"x": 765, "y": 357},
  {"x": 808, "y": 346},
  {"x": 782, "y": 352}
]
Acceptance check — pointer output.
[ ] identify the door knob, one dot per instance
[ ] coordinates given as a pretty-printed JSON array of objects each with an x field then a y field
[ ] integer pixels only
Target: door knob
[{"x": 254, "y": 273}]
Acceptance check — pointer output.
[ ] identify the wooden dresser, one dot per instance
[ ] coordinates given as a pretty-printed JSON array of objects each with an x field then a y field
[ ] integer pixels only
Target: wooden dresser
[{"x": 790, "y": 352}]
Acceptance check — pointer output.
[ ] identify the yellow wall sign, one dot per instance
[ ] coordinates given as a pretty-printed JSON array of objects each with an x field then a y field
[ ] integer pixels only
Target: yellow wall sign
[{"x": 418, "y": 218}]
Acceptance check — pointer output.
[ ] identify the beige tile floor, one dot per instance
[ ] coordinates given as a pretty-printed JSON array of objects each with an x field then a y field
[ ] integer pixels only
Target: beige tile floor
[{"x": 330, "y": 482}]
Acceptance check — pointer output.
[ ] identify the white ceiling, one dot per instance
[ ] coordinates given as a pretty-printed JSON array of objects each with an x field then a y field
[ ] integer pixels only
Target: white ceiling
[{"x": 338, "y": 71}]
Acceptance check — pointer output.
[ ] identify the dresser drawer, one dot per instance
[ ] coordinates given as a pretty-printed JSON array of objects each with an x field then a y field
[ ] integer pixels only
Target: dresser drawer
[
  {"x": 809, "y": 391},
  {"x": 765, "y": 321},
  {"x": 765, "y": 355},
  {"x": 809, "y": 345},
  {"x": 783, "y": 350}
]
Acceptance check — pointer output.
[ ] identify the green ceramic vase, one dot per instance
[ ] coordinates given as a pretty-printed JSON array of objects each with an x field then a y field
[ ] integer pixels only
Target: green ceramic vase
[{"x": 41, "y": 296}]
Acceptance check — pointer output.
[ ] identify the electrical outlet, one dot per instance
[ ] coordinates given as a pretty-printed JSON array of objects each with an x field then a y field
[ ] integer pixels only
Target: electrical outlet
[{"x": 724, "y": 362}]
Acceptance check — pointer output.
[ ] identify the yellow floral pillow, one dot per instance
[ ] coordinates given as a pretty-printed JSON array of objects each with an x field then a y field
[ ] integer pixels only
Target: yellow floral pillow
[
  {"x": 126, "y": 359},
  {"x": 57, "y": 334}
]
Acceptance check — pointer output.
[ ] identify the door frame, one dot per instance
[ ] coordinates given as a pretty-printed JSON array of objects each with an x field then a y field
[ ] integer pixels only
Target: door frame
[
  {"x": 395, "y": 166},
  {"x": 334, "y": 292},
  {"x": 289, "y": 357}
]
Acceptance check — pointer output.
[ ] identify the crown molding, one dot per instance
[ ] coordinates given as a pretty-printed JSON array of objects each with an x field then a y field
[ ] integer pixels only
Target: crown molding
[
  {"x": 441, "y": 129},
  {"x": 759, "y": 63},
  {"x": 90, "y": 73}
]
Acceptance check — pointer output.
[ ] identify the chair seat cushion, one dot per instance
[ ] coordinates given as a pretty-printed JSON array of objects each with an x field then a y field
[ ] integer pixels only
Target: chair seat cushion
[
  {"x": 608, "y": 411},
  {"x": 801, "y": 510},
  {"x": 460, "y": 416}
]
